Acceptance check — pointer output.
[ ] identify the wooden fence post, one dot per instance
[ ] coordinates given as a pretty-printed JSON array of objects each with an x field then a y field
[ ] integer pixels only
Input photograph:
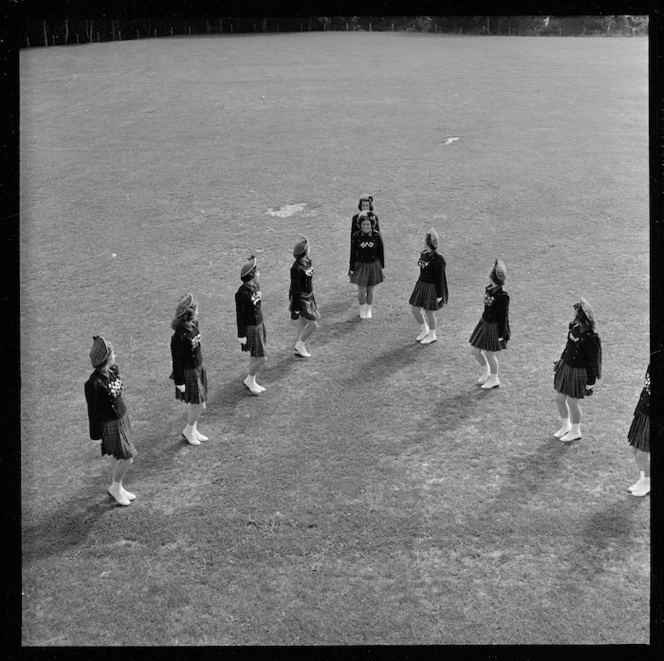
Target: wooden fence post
[
  {"x": 392, "y": 27},
  {"x": 119, "y": 35},
  {"x": 28, "y": 41},
  {"x": 369, "y": 27},
  {"x": 98, "y": 38},
  {"x": 138, "y": 34},
  {"x": 155, "y": 33},
  {"x": 171, "y": 30},
  {"x": 45, "y": 33},
  {"x": 346, "y": 27},
  {"x": 66, "y": 31}
]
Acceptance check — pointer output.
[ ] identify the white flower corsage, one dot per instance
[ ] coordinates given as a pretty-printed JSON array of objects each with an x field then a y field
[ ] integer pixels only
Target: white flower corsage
[{"x": 115, "y": 388}]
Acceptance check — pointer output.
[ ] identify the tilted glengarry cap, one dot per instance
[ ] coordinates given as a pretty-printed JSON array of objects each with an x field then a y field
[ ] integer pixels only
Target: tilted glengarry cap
[
  {"x": 301, "y": 247},
  {"x": 101, "y": 350},
  {"x": 248, "y": 269}
]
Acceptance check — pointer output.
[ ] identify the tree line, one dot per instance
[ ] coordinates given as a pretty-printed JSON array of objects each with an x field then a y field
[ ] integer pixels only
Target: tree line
[{"x": 61, "y": 31}]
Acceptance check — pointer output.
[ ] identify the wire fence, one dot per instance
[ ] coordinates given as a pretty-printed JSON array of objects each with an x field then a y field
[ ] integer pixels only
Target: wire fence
[{"x": 64, "y": 32}]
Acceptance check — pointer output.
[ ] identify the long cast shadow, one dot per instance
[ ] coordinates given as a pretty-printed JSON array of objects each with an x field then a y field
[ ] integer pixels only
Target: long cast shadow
[
  {"x": 224, "y": 400},
  {"x": 531, "y": 470},
  {"x": 385, "y": 364},
  {"x": 75, "y": 520},
  {"x": 337, "y": 319},
  {"x": 69, "y": 527},
  {"x": 604, "y": 543}
]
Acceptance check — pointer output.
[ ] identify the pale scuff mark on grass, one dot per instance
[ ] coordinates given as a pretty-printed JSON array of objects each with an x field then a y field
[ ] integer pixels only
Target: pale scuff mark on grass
[{"x": 286, "y": 210}]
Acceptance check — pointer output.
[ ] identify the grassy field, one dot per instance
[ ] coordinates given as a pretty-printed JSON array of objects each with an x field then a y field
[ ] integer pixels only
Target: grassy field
[{"x": 373, "y": 494}]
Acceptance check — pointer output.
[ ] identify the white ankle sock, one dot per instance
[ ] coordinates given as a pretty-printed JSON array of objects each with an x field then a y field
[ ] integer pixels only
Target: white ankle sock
[{"x": 566, "y": 426}]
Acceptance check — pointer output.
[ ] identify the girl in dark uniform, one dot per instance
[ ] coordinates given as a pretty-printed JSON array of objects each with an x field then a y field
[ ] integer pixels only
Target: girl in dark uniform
[
  {"x": 430, "y": 293},
  {"x": 250, "y": 328},
  {"x": 493, "y": 330},
  {"x": 639, "y": 438},
  {"x": 365, "y": 204},
  {"x": 367, "y": 261},
  {"x": 577, "y": 370},
  {"x": 303, "y": 307},
  {"x": 189, "y": 373},
  {"x": 107, "y": 414}
]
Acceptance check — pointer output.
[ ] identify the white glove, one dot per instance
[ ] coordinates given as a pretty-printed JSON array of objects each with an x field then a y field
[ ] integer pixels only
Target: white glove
[
  {"x": 242, "y": 340},
  {"x": 180, "y": 388}
]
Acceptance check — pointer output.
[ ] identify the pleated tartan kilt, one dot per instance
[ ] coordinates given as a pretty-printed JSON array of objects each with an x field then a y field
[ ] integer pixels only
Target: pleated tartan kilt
[
  {"x": 195, "y": 386},
  {"x": 570, "y": 381},
  {"x": 309, "y": 309},
  {"x": 116, "y": 438},
  {"x": 485, "y": 336},
  {"x": 424, "y": 296},
  {"x": 367, "y": 274},
  {"x": 639, "y": 432},
  {"x": 256, "y": 341}
]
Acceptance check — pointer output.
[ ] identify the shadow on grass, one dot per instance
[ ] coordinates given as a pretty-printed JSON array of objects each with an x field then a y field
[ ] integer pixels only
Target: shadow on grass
[
  {"x": 607, "y": 535},
  {"x": 531, "y": 471},
  {"x": 224, "y": 401},
  {"x": 158, "y": 448},
  {"x": 68, "y": 527},
  {"x": 281, "y": 368},
  {"x": 337, "y": 318},
  {"x": 448, "y": 413},
  {"x": 73, "y": 522},
  {"x": 383, "y": 365}
]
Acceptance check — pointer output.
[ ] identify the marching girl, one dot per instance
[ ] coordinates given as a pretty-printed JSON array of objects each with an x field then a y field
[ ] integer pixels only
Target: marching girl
[
  {"x": 107, "y": 414},
  {"x": 577, "y": 370},
  {"x": 250, "y": 328},
  {"x": 367, "y": 261},
  {"x": 303, "y": 307},
  {"x": 430, "y": 293},
  {"x": 639, "y": 438},
  {"x": 365, "y": 204},
  {"x": 189, "y": 373},
  {"x": 493, "y": 330}
]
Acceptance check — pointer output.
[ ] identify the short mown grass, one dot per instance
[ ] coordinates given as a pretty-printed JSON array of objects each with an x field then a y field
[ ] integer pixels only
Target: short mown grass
[{"x": 373, "y": 494}]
